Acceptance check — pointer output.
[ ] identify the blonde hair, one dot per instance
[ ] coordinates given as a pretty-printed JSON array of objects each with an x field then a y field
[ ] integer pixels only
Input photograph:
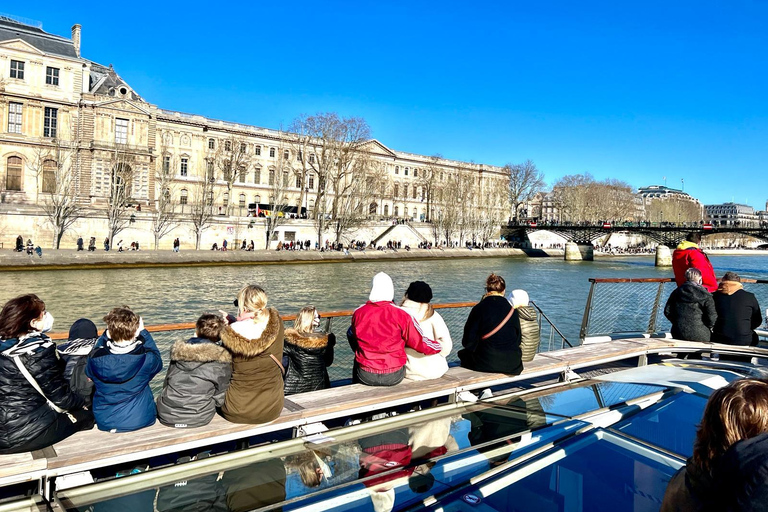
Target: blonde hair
[
  {"x": 252, "y": 299},
  {"x": 305, "y": 319}
]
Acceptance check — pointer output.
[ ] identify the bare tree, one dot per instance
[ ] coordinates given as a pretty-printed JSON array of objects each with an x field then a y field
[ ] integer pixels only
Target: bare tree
[
  {"x": 357, "y": 195},
  {"x": 164, "y": 217},
  {"x": 278, "y": 181},
  {"x": 428, "y": 180},
  {"x": 201, "y": 211},
  {"x": 54, "y": 164},
  {"x": 231, "y": 160},
  {"x": 525, "y": 180},
  {"x": 120, "y": 192}
]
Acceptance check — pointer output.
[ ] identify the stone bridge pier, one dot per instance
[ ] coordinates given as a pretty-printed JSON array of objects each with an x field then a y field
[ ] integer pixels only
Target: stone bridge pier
[{"x": 579, "y": 251}]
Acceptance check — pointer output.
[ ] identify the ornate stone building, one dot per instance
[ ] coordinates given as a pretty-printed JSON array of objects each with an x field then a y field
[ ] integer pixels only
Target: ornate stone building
[{"x": 54, "y": 101}]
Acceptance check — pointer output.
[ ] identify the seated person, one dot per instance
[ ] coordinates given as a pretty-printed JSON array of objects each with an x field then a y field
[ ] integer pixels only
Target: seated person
[
  {"x": 379, "y": 333},
  {"x": 308, "y": 352},
  {"x": 492, "y": 333},
  {"x": 74, "y": 352},
  {"x": 197, "y": 378},
  {"x": 530, "y": 333},
  {"x": 121, "y": 367},
  {"x": 738, "y": 313},
  {"x": 733, "y": 413},
  {"x": 691, "y": 309},
  {"x": 420, "y": 366},
  {"x": 255, "y": 339}
]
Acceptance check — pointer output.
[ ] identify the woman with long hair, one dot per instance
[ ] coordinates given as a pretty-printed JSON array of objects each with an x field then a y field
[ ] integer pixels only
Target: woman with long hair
[
  {"x": 308, "y": 354},
  {"x": 38, "y": 407}
]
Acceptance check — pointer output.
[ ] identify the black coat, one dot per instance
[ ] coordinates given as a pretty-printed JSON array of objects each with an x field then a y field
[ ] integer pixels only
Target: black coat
[
  {"x": 24, "y": 413},
  {"x": 691, "y": 310},
  {"x": 499, "y": 353},
  {"x": 741, "y": 475},
  {"x": 738, "y": 315},
  {"x": 308, "y": 356}
]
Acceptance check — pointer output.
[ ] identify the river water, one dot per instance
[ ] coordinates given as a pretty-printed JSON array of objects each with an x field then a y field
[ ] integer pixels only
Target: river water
[{"x": 174, "y": 295}]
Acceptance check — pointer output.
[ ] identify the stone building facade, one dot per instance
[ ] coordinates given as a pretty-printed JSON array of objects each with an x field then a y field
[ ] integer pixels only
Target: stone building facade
[{"x": 54, "y": 101}]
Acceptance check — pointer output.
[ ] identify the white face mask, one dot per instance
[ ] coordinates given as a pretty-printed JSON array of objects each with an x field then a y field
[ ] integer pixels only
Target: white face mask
[{"x": 44, "y": 325}]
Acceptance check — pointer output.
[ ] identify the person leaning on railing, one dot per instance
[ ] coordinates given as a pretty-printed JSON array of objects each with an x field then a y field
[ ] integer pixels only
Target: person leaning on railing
[
  {"x": 689, "y": 255},
  {"x": 307, "y": 354},
  {"x": 691, "y": 309},
  {"x": 492, "y": 333},
  {"x": 530, "y": 332}
]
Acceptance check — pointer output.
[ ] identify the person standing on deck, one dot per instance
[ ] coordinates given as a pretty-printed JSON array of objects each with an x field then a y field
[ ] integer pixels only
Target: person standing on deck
[
  {"x": 688, "y": 255},
  {"x": 738, "y": 313},
  {"x": 691, "y": 309},
  {"x": 379, "y": 333}
]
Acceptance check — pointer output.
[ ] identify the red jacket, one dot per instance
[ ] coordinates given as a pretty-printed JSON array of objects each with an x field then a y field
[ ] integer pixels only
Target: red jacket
[
  {"x": 380, "y": 332},
  {"x": 689, "y": 255}
]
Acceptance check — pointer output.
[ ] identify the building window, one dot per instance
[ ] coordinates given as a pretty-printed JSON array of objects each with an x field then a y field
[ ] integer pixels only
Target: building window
[
  {"x": 227, "y": 145},
  {"x": 405, "y": 191},
  {"x": 184, "y": 166},
  {"x": 311, "y": 180},
  {"x": 243, "y": 148},
  {"x": 271, "y": 177},
  {"x": 17, "y": 69},
  {"x": 242, "y": 200},
  {"x": 257, "y": 199},
  {"x": 209, "y": 171},
  {"x": 211, "y": 143},
  {"x": 242, "y": 174},
  {"x": 397, "y": 169},
  {"x": 225, "y": 199},
  {"x": 397, "y": 211},
  {"x": 52, "y": 76},
  {"x": 13, "y": 174},
  {"x": 397, "y": 190},
  {"x": 14, "y": 117},
  {"x": 50, "y": 122},
  {"x": 405, "y": 211},
  {"x": 285, "y": 179},
  {"x": 312, "y": 158},
  {"x": 286, "y": 155},
  {"x": 298, "y": 181},
  {"x": 166, "y": 164},
  {"x": 415, "y": 173},
  {"x": 121, "y": 131},
  {"x": 271, "y": 152},
  {"x": 406, "y": 171},
  {"x": 386, "y": 210},
  {"x": 49, "y": 176},
  {"x": 257, "y": 175},
  {"x": 257, "y": 150},
  {"x": 183, "y": 197}
]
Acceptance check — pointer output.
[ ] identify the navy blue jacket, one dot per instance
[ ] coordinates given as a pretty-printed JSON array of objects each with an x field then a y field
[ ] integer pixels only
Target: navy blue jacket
[
  {"x": 741, "y": 475},
  {"x": 123, "y": 401}
]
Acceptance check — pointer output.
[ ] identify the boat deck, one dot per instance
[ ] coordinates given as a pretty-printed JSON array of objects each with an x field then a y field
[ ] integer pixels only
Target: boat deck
[{"x": 94, "y": 449}]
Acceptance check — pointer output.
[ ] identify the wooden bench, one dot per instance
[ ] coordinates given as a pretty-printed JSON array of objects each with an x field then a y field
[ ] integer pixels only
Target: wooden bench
[{"x": 91, "y": 449}]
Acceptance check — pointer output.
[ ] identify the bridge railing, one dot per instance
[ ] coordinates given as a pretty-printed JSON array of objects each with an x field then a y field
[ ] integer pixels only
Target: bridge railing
[
  {"x": 338, "y": 322},
  {"x": 619, "y": 307}
]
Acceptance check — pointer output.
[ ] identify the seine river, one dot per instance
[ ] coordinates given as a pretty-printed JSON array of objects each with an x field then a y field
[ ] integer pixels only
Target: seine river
[{"x": 175, "y": 295}]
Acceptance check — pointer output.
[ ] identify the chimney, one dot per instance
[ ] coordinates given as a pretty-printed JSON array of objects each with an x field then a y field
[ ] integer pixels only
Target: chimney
[{"x": 76, "y": 38}]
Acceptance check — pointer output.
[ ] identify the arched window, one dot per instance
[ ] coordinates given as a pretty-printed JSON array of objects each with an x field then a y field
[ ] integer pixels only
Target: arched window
[
  {"x": 183, "y": 196},
  {"x": 257, "y": 199},
  {"x": 406, "y": 171},
  {"x": 49, "y": 176},
  {"x": 242, "y": 200},
  {"x": 397, "y": 211},
  {"x": 372, "y": 209},
  {"x": 386, "y": 210},
  {"x": 13, "y": 173}
]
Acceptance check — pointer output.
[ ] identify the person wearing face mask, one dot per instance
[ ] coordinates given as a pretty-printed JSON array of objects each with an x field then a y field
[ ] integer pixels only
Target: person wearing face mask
[
  {"x": 308, "y": 353},
  {"x": 37, "y": 406}
]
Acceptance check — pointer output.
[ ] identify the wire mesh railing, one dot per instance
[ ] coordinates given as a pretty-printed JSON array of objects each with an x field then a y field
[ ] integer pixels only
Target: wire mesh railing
[
  {"x": 338, "y": 322},
  {"x": 632, "y": 306}
]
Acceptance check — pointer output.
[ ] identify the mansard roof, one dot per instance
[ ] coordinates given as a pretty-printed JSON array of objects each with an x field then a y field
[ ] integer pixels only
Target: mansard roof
[
  {"x": 105, "y": 80},
  {"x": 48, "y": 43}
]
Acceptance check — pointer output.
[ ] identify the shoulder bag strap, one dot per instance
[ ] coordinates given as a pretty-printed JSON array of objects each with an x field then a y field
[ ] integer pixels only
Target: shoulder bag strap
[
  {"x": 34, "y": 384},
  {"x": 279, "y": 364},
  {"x": 502, "y": 324}
]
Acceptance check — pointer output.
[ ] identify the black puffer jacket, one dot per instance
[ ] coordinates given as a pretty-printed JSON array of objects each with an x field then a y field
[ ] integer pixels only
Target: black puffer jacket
[
  {"x": 24, "y": 413},
  {"x": 691, "y": 309},
  {"x": 308, "y": 356}
]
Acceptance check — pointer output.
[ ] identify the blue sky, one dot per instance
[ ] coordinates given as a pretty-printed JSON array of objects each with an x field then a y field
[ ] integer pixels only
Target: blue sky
[{"x": 630, "y": 90}]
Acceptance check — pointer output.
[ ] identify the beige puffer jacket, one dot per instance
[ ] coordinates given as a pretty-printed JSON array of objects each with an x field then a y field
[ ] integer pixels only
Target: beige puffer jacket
[{"x": 530, "y": 335}]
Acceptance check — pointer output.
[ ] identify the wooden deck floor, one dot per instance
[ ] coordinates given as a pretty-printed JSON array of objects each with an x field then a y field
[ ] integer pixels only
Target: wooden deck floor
[{"x": 94, "y": 448}]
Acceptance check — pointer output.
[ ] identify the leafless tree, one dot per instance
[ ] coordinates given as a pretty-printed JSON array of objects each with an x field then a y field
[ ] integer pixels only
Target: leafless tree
[
  {"x": 231, "y": 159},
  {"x": 278, "y": 206},
  {"x": 165, "y": 218},
  {"x": 673, "y": 209},
  {"x": 201, "y": 212},
  {"x": 428, "y": 180},
  {"x": 580, "y": 198},
  {"x": 357, "y": 195},
  {"x": 120, "y": 191},
  {"x": 525, "y": 180}
]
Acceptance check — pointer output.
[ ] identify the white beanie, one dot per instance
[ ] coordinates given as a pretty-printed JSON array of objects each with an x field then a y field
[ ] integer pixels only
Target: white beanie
[
  {"x": 519, "y": 298},
  {"x": 382, "y": 288}
]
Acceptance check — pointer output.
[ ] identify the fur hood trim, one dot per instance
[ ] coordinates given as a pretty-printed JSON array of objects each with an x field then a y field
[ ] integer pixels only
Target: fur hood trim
[
  {"x": 730, "y": 287},
  {"x": 242, "y": 346},
  {"x": 306, "y": 340},
  {"x": 202, "y": 352}
]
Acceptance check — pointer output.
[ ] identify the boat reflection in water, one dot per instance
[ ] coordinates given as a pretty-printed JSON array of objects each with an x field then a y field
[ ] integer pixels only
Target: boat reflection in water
[{"x": 611, "y": 442}]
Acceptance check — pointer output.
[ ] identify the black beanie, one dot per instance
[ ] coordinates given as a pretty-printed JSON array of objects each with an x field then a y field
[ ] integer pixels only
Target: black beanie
[
  {"x": 83, "y": 329},
  {"x": 419, "y": 291}
]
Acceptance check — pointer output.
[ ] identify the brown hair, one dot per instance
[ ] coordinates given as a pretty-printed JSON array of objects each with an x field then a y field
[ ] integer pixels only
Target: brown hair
[
  {"x": 734, "y": 412},
  {"x": 18, "y": 313},
  {"x": 122, "y": 324},
  {"x": 495, "y": 283},
  {"x": 209, "y": 326}
]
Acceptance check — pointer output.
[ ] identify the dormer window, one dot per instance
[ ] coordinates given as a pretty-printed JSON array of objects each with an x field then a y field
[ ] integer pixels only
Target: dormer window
[
  {"x": 17, "y": 69},
  {"x": 51, "y": 76}
]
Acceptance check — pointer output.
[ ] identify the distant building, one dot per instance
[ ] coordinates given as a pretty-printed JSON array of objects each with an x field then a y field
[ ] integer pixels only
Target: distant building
[
  {"x": 731, "y": 214},
  {"x": 665, "y": 204}
]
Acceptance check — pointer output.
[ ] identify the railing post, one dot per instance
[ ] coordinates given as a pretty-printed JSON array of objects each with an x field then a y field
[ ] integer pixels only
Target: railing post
[
  {"x": 587, "y": 311},
  {"x": 655, "y": 309}
]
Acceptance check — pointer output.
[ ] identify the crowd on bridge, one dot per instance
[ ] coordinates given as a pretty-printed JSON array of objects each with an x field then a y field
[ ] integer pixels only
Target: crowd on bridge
[{"x": 237, "y": 365}]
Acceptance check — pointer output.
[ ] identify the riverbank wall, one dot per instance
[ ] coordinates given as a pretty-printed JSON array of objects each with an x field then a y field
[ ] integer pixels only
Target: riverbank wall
[{"x": 71, "y": 259}]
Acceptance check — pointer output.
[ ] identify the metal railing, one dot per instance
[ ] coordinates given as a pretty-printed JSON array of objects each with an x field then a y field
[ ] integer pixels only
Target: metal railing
[
  {"x": 338, "y": 322},
  {"x": 619, "y": 307}
]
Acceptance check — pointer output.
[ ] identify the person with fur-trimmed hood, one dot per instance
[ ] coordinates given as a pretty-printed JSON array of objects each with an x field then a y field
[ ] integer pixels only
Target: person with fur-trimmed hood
[
  {"x": 307, "y": 354},
  {"x": 255, "y": 339},
  {"x": 198, "y": 377}
]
